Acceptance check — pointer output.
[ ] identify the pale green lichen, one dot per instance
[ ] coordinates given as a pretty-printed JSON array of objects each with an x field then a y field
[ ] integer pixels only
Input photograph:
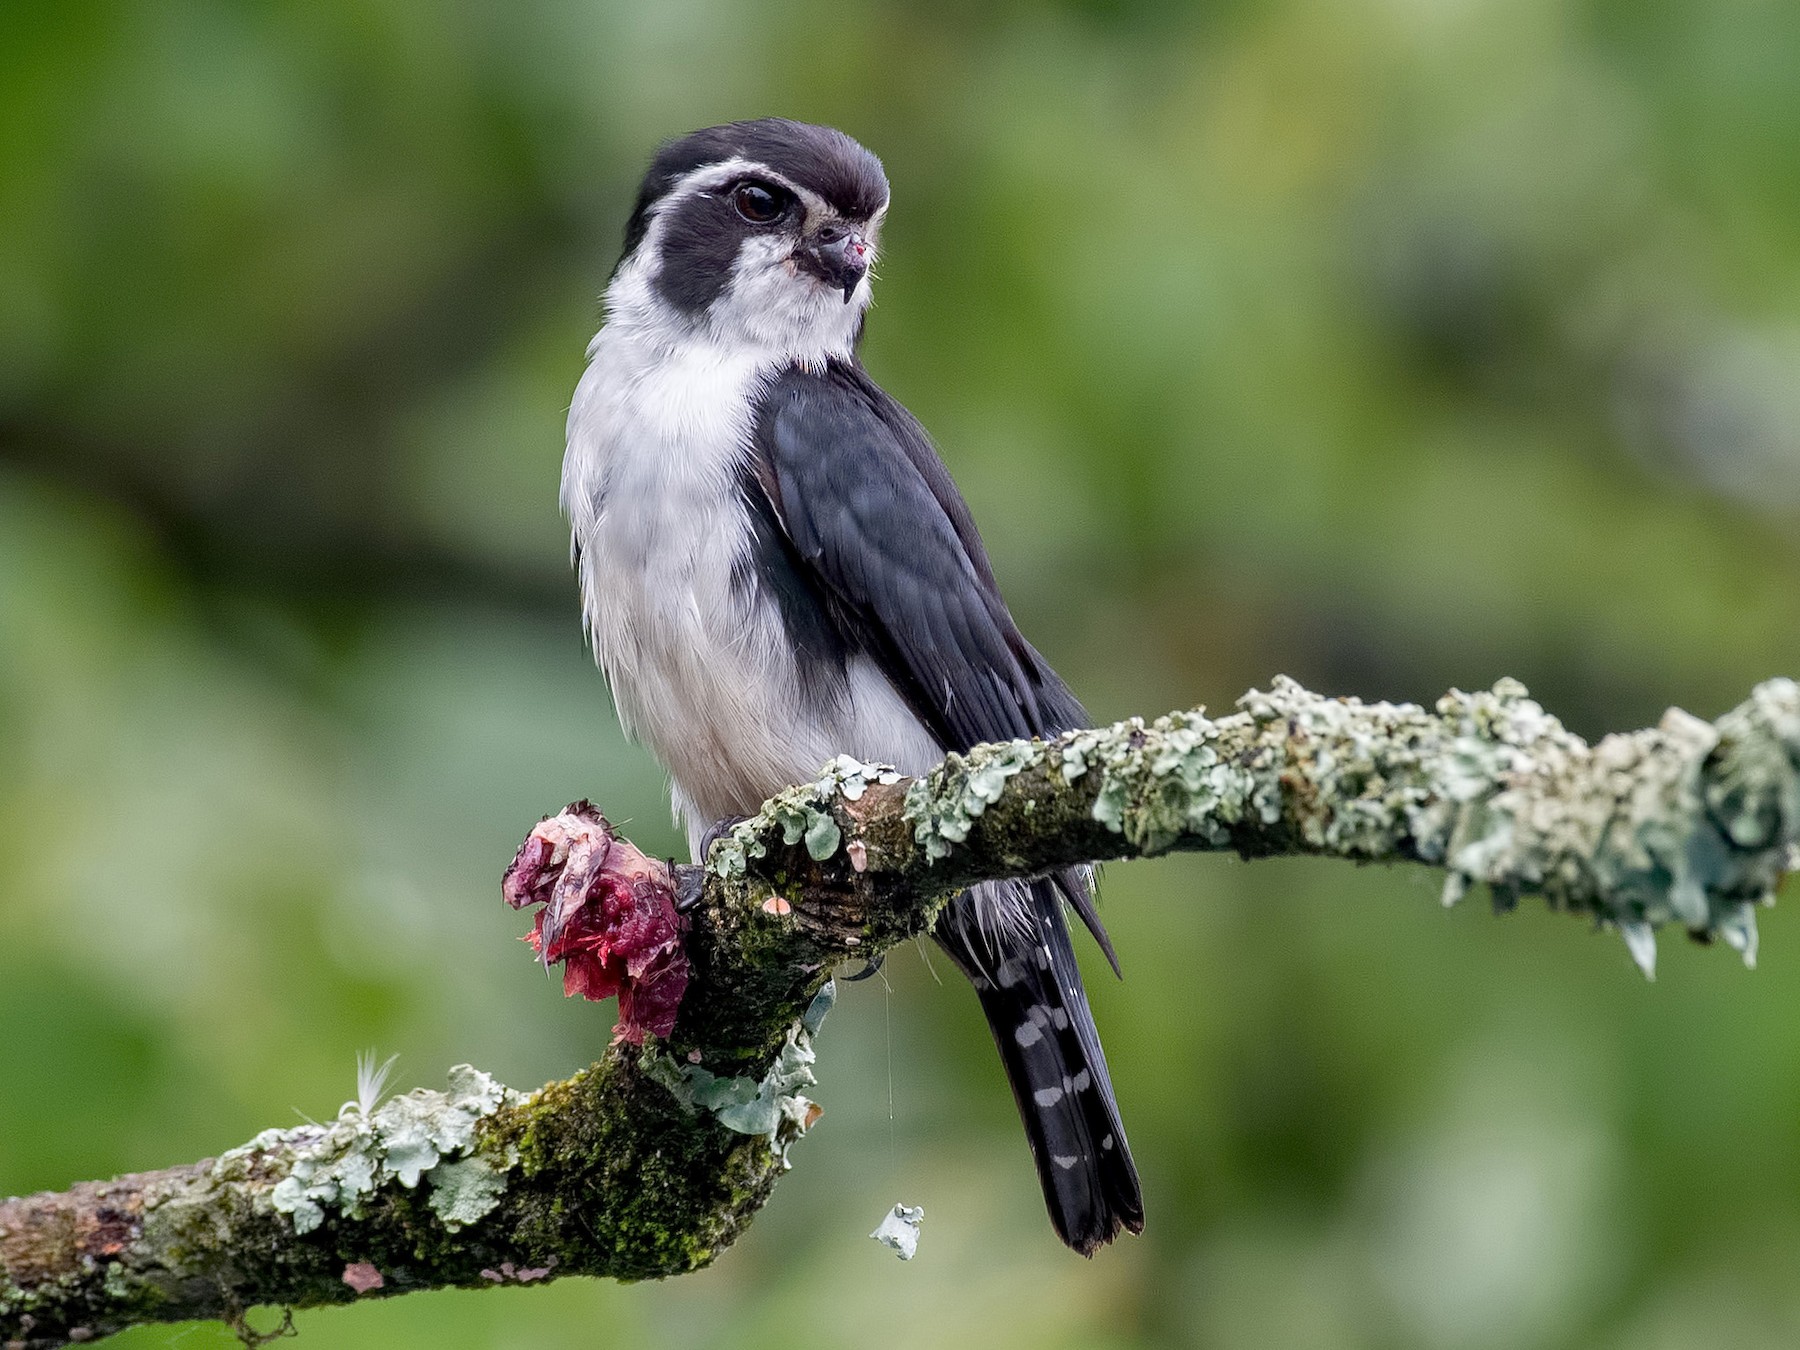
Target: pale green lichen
[
  {"x": 1685, "y": 823},
  {"x": 463, "y": 1191},
  {"x": 336, "y": 1167},
  {"x": 1756, "y": 790},
  {"x": 1172, "y": 779},
  {"x": 899, "y": 1228},
  {"x": 773, "y": 1105},
  {"x": 1495, "y": 789},
  {"x": 804, "y": 814},
  {"x": 944, "y": 805},
  {"x": 1624, "y": 829}
]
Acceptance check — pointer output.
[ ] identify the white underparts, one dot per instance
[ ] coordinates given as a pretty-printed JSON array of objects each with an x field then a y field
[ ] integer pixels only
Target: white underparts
[{"x": 658, "y": 436}]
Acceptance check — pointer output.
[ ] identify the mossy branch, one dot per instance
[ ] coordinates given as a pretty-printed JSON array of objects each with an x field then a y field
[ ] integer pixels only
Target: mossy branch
[{"x": 652, "y": 1161}]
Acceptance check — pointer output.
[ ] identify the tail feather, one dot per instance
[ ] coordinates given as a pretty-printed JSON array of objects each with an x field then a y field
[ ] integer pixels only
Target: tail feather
[{"x": 1013, "y": 943}]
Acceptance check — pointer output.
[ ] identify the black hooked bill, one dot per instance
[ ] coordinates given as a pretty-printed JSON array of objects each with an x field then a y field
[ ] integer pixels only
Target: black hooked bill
[{"x": 837, "y": 256}]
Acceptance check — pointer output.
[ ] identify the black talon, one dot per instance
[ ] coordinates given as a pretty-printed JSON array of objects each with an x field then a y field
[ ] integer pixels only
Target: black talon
[
  {"x": 691, "y": 881},
  {"x": 690, "y": 885},
  {"x": 870, "y": 966},
  {"x": 715, "y": 832}
]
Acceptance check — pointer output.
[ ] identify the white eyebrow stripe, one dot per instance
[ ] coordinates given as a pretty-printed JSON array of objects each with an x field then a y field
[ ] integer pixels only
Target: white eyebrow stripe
[
  {"x": 710, "y": 177},
  {"x": 873, "y": 230}
]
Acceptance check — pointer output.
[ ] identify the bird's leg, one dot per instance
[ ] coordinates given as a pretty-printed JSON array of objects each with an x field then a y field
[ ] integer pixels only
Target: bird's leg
[{"x": 691, "y": 881}]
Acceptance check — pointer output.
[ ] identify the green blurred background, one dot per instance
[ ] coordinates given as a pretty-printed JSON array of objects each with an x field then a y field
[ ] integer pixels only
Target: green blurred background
[{"x": 1392, "y": 344}]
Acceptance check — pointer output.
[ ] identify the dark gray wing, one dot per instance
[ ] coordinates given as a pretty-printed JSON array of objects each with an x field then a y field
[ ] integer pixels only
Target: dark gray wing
[
  {"x": 876, "y": 525},
  {"x": 873, "y": 517}
]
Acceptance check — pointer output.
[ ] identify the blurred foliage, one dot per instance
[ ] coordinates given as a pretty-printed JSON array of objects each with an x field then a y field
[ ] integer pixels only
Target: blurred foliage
[{"x": 1391, "y": 345}]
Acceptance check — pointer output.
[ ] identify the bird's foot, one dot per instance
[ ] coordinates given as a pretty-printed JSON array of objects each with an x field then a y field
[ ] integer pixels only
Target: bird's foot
[
  {"x": 691, "y": 881},
  {"x": 690, "y": 886},
  {"x": 715, "y": 832}
]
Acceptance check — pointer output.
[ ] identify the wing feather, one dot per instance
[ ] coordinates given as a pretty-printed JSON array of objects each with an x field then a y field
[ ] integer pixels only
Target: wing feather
[
  {"x": 874, "y": 517},
  {"x": 871, "y": 510}
]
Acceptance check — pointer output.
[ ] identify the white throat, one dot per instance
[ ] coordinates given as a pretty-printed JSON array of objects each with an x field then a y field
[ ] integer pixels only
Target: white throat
[
  {"x": 767, "y": 315},
  {"x": 771, "y": 312}
]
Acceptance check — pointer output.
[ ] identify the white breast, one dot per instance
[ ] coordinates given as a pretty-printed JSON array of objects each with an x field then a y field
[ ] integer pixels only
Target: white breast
[{"x": 701, "y": 672}]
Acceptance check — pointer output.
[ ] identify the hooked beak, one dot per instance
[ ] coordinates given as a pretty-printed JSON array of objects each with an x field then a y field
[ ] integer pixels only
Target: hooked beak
[{"x": 838, "y": 256}]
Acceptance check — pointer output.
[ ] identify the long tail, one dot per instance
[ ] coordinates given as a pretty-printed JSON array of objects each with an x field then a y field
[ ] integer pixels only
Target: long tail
[{"x": 1012, "y": 941}]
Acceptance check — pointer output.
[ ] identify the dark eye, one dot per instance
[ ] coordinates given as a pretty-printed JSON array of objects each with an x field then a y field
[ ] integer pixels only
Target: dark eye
[{"x": 756, "y": 203}]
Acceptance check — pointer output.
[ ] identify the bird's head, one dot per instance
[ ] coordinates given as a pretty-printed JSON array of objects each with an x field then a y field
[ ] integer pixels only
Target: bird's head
[{"x": 758, "y": 234}]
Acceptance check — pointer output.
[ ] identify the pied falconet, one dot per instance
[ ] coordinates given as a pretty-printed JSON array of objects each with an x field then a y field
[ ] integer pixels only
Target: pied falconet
[{"x": 776, "y": 569}]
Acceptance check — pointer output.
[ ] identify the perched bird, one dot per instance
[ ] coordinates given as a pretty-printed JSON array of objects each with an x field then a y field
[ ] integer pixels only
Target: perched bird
[{"x": 776, "y": 569}]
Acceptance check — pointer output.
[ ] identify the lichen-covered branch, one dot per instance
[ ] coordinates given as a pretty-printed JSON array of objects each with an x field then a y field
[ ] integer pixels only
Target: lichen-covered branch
[
  {"x": 652, "y": 1161},
  {"x": 1689, "y": 822}
]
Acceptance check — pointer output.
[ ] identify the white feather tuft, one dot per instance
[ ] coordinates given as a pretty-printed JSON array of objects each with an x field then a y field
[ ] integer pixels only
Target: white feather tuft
[{"x": 371, "y": 1082}]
